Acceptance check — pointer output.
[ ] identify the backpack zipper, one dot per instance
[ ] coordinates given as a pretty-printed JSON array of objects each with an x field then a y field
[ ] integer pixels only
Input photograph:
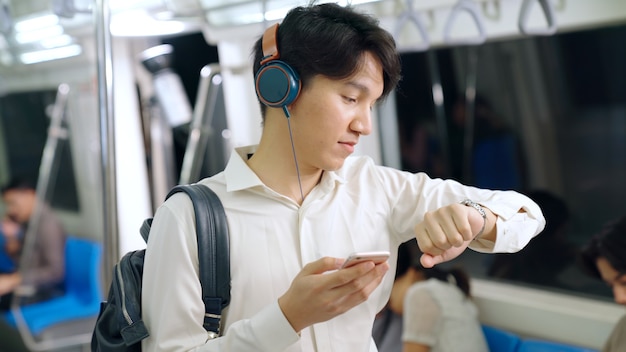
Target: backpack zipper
[{"x": 121, "y": 283}]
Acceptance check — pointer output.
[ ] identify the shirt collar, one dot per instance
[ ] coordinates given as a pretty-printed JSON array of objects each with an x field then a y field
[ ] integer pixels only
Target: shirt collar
[
  {"x": 239, "y": 175},
  {"x": 331, "y": 178}
]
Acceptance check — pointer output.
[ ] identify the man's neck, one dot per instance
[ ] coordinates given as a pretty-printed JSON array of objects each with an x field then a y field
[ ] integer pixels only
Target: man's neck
[{"x": 276, "y": 168}]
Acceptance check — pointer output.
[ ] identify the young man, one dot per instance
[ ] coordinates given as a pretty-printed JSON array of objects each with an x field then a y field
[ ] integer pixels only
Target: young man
[{"x": 297, "y": 204}]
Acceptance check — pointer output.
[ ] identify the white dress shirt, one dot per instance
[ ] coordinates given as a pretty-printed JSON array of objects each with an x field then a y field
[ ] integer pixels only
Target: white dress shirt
[{"x": 360, "y": 207}]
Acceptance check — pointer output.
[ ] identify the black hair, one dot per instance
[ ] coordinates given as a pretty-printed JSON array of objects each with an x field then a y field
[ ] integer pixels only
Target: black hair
[
  {"x": 609, "y": 243},
  {"x": 330, "y": 40},
  {"x": 407, "y": 252},
  {"x": 553, "y": 207},
  {"x": 455, "y": 275},
  {"x": 19, "y": 183},
  {"x": 408, "y": 257}
]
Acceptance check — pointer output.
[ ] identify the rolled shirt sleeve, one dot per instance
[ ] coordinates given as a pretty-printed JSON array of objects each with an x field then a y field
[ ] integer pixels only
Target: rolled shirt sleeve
[{"x": 519, "y": 219}]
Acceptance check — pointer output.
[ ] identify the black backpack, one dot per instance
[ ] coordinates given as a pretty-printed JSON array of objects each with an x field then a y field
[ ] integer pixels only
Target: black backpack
[{"x": 119, "y": 326}]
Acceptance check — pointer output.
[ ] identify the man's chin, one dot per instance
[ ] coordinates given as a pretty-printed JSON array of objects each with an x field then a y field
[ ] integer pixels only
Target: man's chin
[{"x": 335, "y": 165}]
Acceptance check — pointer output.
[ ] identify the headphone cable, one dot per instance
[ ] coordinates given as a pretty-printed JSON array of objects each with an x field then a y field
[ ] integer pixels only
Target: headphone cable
[{"x": 293, "y": 149}]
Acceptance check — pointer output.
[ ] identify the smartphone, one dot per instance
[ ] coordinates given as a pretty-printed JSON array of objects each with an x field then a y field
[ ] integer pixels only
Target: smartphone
[{"x": 360, "y": 257}]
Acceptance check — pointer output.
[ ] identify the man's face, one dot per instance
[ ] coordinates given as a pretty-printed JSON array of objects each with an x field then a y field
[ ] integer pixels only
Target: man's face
[
  {"x": 613, "y": 278},
  {"x": 20, "y": 204},
  {"x": 330, "y": 115}
]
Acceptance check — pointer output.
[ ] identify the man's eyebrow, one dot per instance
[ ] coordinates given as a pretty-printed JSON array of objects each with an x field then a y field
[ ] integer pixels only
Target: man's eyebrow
[{"x": 358, "y": 86}]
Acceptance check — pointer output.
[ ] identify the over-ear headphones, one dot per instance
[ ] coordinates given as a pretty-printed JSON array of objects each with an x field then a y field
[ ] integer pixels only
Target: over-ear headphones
[{"x": 277, "y": 84}]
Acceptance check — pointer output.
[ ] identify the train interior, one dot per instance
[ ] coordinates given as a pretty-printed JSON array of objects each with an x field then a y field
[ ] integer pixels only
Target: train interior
[{"x": 112, "y": 103}]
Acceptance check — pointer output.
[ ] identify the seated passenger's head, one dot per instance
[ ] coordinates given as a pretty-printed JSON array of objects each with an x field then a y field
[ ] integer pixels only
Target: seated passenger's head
[
  {"x": 409, "y": 264},
  {"x": 605, "y": 257},
  {"x": 19, "y": 197}
]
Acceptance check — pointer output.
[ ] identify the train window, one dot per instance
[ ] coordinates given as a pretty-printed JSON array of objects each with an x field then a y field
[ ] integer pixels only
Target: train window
[
  {"x": 25, "y": 129},
  {"x": 189, "y": 67},
  {"x": 548, "y": 119}
]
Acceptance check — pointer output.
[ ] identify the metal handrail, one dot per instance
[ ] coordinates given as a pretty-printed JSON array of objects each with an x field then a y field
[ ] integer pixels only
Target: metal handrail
[
  {"x": 548, "y": 11},
  {"x": 470, "y": 114},
  {"x": 472, "y": 9},
  {"x": 409, "y": 15},
  {"x": 200, "y": 127},
  {"x": 440, "y": 111},
  {"x": 102, "y": 17}
]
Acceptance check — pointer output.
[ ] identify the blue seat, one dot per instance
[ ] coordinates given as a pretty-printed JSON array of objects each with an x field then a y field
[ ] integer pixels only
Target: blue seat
[
  {"x": 6, "y": 263},
  {"x": 531, "y": 345},
  {"x": 82, "y": 295},
  {"x": 500, "y": 340}
]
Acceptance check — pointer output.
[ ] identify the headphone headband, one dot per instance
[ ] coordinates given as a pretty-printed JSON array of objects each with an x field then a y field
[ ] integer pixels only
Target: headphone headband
[
  {"x": 270, "y": 45},
  {"x": 277, "y": 84}
]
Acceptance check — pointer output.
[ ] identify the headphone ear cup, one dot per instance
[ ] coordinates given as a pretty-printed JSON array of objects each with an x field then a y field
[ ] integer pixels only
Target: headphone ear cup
[{"x": 277, "y": 84}]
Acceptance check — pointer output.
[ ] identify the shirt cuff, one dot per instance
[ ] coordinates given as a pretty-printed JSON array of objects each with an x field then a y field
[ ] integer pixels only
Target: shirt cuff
[
  {"x": 511, "y": 235},
  {"x": 273, "y": 329}
]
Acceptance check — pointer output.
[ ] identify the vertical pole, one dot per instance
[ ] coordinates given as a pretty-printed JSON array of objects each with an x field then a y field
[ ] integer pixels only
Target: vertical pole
[
  {"x": 440, "y": 111},
  {"x": 107, "y": 137},
  {"x": 470, "y": 115}
]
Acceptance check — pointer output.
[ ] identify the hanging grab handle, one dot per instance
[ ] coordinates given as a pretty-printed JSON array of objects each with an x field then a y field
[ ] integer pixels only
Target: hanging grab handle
[
  {"x": 548, "y": 11},
  {"x": 471, "y": 8},
  {"x": 410, "y": 15}
]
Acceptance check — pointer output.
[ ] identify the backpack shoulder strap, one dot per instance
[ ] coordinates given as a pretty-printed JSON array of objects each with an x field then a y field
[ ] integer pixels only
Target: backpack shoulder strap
[{"x": 213, "y": 252}]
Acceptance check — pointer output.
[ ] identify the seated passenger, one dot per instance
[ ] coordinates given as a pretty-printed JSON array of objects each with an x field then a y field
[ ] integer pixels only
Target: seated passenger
[
  {"x": 435, "y": 308},
  {"x": 605, "y": 258},
  {"x": 44, "y": 275}
]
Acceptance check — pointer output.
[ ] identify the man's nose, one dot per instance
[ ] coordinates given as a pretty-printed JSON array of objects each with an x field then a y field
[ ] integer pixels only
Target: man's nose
[{"x": 363, "y": 122}]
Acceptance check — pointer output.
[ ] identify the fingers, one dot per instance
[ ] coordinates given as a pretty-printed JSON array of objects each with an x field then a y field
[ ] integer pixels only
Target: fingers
[
  {"x": 441, "y": 230},
  {"x": 322, "y": 265},
  {"x": 313, "y": 297},
  {"x": 360, "y": 273},
  {"x": 344, "y": 277},
  {"x": 444, "y": 232},
  {"x": 428, "y": 260},
  {"x": 358, "y": 282}
]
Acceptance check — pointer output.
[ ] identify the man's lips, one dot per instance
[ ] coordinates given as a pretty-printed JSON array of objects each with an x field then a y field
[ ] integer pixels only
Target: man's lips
[
  {"x": 348, "y": 145},
  {"x": 352, "y": 144}
]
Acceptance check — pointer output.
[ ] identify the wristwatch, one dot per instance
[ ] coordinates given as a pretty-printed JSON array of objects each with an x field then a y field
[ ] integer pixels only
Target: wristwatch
[{"x": 470, "y": 203}]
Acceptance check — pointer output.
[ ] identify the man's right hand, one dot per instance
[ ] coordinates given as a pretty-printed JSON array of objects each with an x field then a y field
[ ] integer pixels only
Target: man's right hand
[{"x": 317, "y": 295}]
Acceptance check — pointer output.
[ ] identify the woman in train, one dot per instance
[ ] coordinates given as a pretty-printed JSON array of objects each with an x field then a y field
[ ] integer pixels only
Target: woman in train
[
  {"x": 429, "y": 310},
  {"x": 604, "y": 257}
]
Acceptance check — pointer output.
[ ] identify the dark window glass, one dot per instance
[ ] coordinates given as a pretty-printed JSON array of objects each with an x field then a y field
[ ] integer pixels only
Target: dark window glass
[
  {"x": 25, "y": 125},
  {"x": 549, "y": 122}
]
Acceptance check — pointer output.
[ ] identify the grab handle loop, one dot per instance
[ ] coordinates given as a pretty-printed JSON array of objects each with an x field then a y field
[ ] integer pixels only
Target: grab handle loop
[
  {"x": 548, "y": 11},
  {"x": 472, "y": 9},
  {"x": 409, "y": 15}
]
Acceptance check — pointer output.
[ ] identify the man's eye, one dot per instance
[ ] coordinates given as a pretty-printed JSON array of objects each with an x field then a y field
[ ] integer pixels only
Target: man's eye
[{"x": 350, "y": 100}]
